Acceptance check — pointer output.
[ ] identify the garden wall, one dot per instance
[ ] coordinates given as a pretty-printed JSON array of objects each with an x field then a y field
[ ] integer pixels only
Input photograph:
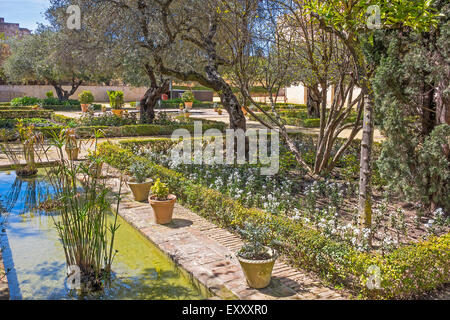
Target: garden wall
[{"x": 9, "y": 92}]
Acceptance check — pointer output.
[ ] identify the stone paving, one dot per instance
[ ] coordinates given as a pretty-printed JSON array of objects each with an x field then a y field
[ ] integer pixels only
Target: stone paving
[{"x": 207, "y": 252}]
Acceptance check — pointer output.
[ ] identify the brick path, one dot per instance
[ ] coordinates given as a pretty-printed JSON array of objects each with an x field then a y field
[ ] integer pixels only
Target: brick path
[{"x": 207, "y": 252}]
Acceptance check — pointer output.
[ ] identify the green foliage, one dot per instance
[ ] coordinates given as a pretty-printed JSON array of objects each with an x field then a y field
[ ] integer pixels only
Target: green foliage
[
  {"x": 22, "y": 114},
  {"x": 49, "y": 94},
  {"x": 115, "y": 99},
  {"x": 107, "y": 120},
  {"x": 86, "y": 97},
  {"x": 25, "y": 101},
  {"x": 413, "y": 160},
  {"x": 139, "y": 172},
  {"x": 188, "y": 96},
  {"x": 160, "y": 190},
  {"x": 257, "y": 239}
]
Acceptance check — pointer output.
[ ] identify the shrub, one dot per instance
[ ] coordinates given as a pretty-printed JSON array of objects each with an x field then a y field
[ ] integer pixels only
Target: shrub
[
  {"x": 139, "y": 172},
  {"x": 86, "y": 97},
  {"x": 50, "y": 101},
  {"x": 21, "y": 114},
  {"x": 115, "y": 99},
  {"x": 160, "y": 190},
  {"x": 311, "y": 123},
  {"x": 188, "y": 96},
  {"x": 24, "y": 101}
]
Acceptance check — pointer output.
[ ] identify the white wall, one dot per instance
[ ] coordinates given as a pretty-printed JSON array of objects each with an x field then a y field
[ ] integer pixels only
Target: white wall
[{"x": 8, "y": 92}]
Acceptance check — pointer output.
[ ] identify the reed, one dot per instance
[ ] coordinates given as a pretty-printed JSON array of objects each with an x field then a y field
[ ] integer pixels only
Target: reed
[{"x": 83, "y": 229}]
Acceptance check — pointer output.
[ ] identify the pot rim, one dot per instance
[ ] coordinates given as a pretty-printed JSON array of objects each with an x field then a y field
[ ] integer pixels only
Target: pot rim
[
  {"x": 274, "y": 254},
  {"x": 171, "y": 197},
  {"x": 138, "y": 183}
]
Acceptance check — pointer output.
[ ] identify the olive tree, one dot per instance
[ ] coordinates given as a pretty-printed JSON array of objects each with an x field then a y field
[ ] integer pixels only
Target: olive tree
[
  {"x": 178, "y": 39},
  {"x": 50, "y": 56}
]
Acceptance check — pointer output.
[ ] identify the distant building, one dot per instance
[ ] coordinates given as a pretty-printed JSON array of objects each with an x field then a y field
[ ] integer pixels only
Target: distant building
[{"x": 12, "y": 29}]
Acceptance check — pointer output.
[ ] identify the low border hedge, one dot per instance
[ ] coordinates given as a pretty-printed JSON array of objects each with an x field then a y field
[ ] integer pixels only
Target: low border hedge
[
  {"x": 406, "y": 272},
  {"x": 132, "y": 130},
  {"x": 25, "y": 113}
]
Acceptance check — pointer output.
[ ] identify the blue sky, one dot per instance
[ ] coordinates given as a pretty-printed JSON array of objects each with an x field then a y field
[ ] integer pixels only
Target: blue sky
[{"x": 24, "y": 12}]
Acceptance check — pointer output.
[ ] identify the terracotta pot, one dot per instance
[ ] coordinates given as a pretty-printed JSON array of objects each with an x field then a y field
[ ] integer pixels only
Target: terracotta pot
[
  {"x": 163, "y": 210},
  {"x": 117, "y": 112},
  {"x": 84, "y": 107},
  {"x": 188, "y": 105},
  {"x": 219, "y": 112},
  {"x": 258, "y": 272},
  {"x": 140, "y": 190},
  {"x": 72, "y": 153},
  {"x": 244, "y": 111}
]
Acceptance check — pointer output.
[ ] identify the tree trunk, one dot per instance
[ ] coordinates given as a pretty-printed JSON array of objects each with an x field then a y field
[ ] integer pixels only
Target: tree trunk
[
  {"x": 365, "y": 173},
  {"x": 64, "y": 95},
  {"x": 229, "y": 100},
  {"x": 312, "y": 104},
  {"x": 149, "y": 100}
]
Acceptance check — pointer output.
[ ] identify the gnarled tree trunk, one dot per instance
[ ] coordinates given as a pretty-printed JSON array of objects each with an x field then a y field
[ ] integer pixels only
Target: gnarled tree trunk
[
  {"x": 64, "y": 95},
  {"x": 152, "y": 95}
]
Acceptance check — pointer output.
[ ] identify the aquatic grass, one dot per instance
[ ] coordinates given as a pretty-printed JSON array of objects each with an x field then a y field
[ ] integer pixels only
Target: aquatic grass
[{"x": 87, "y": 238}]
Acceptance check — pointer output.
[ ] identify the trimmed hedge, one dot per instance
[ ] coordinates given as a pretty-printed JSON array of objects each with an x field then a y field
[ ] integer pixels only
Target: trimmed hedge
[
  {"x": 176, "y": 105},
  {"x": 69, "y": 107},
  {"x": 132, "y": 130},
  {"x": 406, "y": 272},
  {"x": 25, "y": 113}
]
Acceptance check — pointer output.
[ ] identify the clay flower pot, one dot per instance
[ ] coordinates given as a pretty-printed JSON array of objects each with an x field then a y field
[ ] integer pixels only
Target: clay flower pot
[
  {"x": 84, "y": 107},
  {"x": 244, "y": 111},
  {"x": 163, "y": 209},
  {"x": 140, "y": 190},
  {"x": 72, "y": 153},
  {"x": 117, "y": 112},
  {"x": 188, "y": 105},
  {"x": 219, "y": 111},
  {"x": 258, "y": 272}
]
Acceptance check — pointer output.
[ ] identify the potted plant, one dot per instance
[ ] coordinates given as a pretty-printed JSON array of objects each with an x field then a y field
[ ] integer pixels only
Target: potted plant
[
  {"x": 139, "y": 186},
  {"x": 86, "y": 98},
  {"x": 215, "y": 107},
  {"x": 72, "y": 149},
  {"x": 255, "y": 257},
  {"x": 181, "y": 106},
  {"x": 116, "y": 102},
  {"x": 104, "y": 108},
  {"x": 162, "y": 202},
  {"x": 186, "y": 114},
  {"x": 219, "y": 111},
  {"x": 188, "y": 99}
]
